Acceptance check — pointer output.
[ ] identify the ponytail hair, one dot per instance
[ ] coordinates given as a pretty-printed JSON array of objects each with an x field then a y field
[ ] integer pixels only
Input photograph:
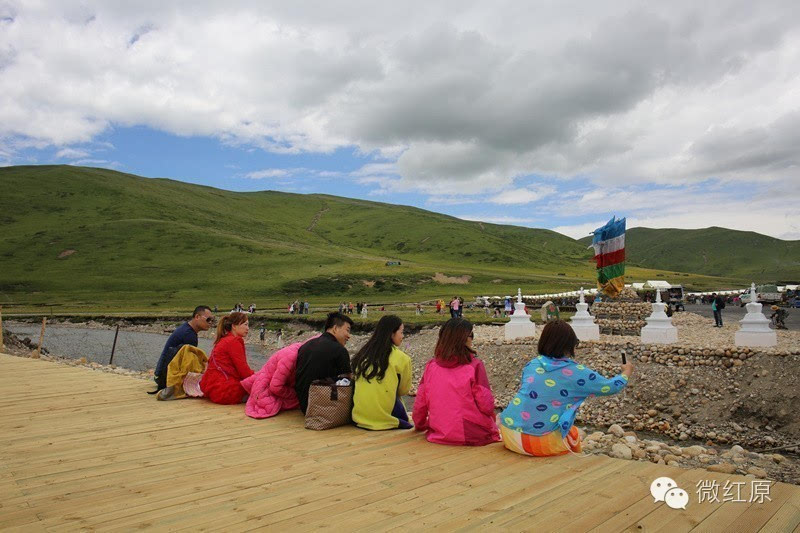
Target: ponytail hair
[{"x": 227, "y": 322}]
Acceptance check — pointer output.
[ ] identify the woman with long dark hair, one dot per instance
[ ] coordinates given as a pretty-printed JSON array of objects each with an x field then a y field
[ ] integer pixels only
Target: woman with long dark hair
[
  {"x": 454, "y": 403},
  {"x": 227, "y": 365},
  {"x": 383, "y": 374}
]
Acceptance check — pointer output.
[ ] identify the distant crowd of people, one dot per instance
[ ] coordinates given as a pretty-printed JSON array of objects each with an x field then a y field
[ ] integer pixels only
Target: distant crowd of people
[
  {"x": 297, "y": 307},
  {"x": 454, "y": 402}
]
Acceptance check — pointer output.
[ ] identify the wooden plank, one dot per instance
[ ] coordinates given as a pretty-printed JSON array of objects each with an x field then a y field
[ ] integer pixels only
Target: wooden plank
[
  {"x": 116, "y": 459},
  {"x": 787, "y": 518},
  {"x": 637, "y": 509},
  {"x": 746, "y": 516}
]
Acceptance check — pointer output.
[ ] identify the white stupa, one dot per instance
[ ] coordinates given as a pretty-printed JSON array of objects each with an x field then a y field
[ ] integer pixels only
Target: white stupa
[
  {"x": 520, "y": 324},
  {"x": 659, "y": 328},
  {"x": 754, "y": 330},
  {"x": 583, "y": 323}
]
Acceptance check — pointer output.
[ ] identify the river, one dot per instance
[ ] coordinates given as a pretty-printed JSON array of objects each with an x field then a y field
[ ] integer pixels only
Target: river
[{"x": 135, "y": 350}]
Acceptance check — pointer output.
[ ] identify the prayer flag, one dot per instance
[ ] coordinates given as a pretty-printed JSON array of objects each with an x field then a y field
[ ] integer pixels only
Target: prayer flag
[{"x": 609, "y": 254}]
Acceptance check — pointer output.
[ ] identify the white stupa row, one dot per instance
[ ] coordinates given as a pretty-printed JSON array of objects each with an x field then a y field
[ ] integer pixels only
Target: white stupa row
[{"x": 754, "y": 330}]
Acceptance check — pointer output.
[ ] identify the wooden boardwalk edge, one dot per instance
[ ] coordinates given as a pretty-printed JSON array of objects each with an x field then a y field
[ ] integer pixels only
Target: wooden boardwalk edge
[{"x": 85, "y": 449}]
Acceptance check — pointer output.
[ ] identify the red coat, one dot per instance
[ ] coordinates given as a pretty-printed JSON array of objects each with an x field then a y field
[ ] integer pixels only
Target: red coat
[{"x": 227, "y": 367}]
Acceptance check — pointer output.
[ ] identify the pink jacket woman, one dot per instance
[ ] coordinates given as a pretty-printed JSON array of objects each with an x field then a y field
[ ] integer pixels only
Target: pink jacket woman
[
  {"x": 271, "y": 389},
  {"x": 454, "y": 403}
]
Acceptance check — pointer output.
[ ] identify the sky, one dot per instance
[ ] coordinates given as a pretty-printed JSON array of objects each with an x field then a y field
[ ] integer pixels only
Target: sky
[{"x": 550, "y": 114}]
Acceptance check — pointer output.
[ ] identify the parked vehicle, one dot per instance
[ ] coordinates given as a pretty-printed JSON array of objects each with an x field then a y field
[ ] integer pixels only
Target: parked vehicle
[{"x": 765, "y": 294}]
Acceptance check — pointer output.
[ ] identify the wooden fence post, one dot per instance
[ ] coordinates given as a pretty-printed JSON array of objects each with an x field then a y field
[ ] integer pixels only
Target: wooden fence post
[
  {"x": 41, "y": 338},
  {"x": 114, "y": 346},
  {"x": 2, "y": 339}
]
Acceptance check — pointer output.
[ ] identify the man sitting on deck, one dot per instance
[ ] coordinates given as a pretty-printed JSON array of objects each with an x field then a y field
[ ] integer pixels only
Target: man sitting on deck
[
  {"x": 186, "y": 333},
  {"x": 323, "y": 357}
]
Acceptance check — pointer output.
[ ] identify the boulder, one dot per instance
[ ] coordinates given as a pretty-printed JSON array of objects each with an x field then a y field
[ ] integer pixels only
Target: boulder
[
  {"x": 616, "y": 430},
  {"x": 621, "y": 451}
]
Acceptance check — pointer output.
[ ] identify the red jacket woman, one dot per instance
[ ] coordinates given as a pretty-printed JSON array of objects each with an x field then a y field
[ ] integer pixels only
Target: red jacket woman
[{"x": 227, "y": 366}]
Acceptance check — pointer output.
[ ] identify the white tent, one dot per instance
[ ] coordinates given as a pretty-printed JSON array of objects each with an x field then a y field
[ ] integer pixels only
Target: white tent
[{"x": 657, "y": 284}]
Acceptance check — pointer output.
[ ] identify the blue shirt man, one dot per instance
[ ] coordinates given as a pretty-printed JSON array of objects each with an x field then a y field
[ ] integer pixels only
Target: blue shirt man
[{"x": 186, "y": 333}]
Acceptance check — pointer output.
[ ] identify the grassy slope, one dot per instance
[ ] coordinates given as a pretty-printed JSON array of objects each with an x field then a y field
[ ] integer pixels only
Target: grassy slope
[
  {"x": 715, "y": 252},
  {"x": 159, "y": 244}
]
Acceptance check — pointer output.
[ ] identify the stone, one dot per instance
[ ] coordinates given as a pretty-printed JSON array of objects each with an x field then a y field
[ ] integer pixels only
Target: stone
[
  {"x": 597, "y": 435},
  {"x": 778, "y": 458},
  {"x": 724, "y": 468},
  {"x": 621, "y": 451},
  {"x": 670, "y": 458},
  {"x": 694, "y": 451},
  {"x": 758, "y": 472},
  {"x": 736, "y": 449},
  {"x": 616, "y": 430}
]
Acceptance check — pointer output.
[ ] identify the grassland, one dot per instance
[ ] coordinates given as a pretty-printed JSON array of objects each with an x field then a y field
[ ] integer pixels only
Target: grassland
[
  {"x": 83, "y": 239},
  {"x": 714, "y": 252}
]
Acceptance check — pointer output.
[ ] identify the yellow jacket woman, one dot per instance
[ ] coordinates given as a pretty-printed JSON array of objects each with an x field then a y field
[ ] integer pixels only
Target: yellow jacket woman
[{"x": 383, "y": 374}]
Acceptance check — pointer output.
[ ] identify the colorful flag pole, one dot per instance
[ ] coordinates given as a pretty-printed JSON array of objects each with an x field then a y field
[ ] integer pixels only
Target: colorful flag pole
[{"x": 609, "y": 254}]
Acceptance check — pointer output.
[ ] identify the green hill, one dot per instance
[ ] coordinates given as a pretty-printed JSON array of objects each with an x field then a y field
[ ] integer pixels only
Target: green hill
[
  {"x": 713, "y": 252},
  {"x": 85, "y": 238}
]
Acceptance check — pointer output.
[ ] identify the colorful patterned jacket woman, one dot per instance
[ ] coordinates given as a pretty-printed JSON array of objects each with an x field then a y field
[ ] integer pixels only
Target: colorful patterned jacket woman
[{"x": 539, "y": 419}]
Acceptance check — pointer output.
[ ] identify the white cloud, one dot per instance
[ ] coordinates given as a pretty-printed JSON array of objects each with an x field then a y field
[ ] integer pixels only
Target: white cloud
[
  {"x": 458, "y": 99},
  {"x": 71, "y": 153},
  {"x": 500, "y": 219},
  {"x": 737, "y": 211},
  {"x": 525, "y": 195},
  {"x": 269, "y": 173},
  {"x": 96, "y": 163}
]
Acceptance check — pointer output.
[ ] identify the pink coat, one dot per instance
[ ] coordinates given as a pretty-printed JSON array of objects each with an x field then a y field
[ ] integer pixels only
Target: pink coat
[
  {"x": 454, "y": 404},
  {"x": 271, "y": 389}
]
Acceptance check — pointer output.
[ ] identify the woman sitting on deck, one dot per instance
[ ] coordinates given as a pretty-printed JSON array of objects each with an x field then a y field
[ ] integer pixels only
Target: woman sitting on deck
[
  {"x": 383, "y": 374},
  {"x": 539, "y": 419},
  {"x": 454, "y": 403},
  {"x": 227, "y": 366}
]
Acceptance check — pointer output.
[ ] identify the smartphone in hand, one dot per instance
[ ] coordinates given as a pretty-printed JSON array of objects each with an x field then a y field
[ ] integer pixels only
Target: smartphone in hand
[{"x": 624, "y": 359}]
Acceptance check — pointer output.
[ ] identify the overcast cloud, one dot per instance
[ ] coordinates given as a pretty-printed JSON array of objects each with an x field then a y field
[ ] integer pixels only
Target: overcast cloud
[{"x": 451, "y": 99}]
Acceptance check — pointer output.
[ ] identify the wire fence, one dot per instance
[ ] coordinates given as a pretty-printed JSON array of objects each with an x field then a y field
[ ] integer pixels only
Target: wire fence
[{"x": 135, "y": 350}]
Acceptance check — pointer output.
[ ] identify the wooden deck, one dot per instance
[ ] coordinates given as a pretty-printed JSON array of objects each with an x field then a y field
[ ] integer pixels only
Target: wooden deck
[{"x": 90, "y": 450}]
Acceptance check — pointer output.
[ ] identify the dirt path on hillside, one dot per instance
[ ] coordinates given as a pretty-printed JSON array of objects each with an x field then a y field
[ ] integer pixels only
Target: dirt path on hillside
[{"x": 317, "y": 217}]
